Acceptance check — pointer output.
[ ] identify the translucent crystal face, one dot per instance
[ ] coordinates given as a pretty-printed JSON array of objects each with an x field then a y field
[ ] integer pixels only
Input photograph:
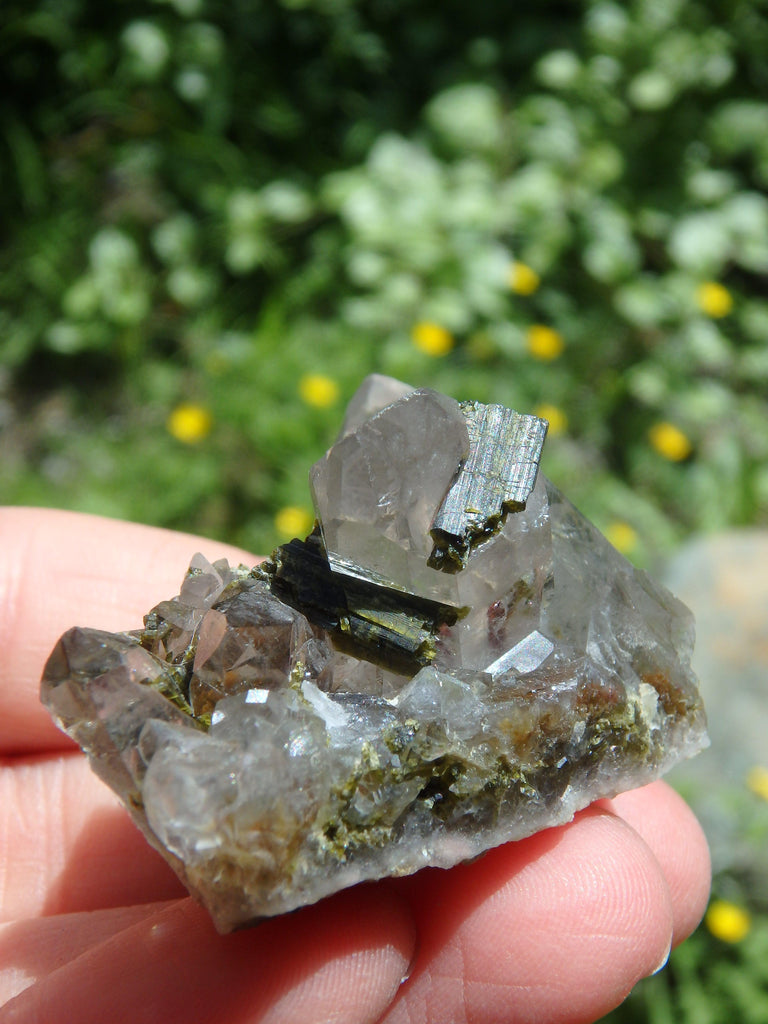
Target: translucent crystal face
[
  {"x": 248, "y": 640},
  {"x": 350, "y": 711},
  {"x": 386, "y": 491},
  {"x": 376, "y": 492}
]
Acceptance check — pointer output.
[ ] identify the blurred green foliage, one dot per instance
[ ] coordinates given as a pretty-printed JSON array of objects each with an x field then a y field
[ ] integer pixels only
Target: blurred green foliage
[{"x": 204, "y": 202}]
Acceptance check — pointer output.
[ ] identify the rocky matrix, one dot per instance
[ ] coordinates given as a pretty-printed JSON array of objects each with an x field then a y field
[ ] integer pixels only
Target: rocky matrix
[{"x": 453, "y": 659}]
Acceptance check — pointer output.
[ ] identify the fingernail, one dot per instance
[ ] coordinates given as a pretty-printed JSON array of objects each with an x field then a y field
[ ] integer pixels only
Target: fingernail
[{"x": 663, "y": 962}]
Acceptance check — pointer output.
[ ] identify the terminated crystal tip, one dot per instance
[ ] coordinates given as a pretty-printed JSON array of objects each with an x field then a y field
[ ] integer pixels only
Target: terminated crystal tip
[
  {"x": 495, "y": 478},
  {"x": 348, "y": 711}
]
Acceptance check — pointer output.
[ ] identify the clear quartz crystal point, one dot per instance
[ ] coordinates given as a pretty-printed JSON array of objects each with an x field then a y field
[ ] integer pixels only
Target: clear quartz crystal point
[
  {"x": 350, "y": 711},
  {"x": 376, "y": 491}
]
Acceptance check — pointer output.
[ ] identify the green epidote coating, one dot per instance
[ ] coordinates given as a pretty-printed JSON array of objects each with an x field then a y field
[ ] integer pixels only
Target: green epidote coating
[
  {"x": 394, "y": 629},
  {"x": 442, "y": 785},
  {"x": 450, "y": 784}
]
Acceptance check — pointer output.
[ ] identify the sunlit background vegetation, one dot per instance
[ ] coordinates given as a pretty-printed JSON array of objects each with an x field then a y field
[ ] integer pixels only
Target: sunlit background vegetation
[{"x": 219, "y": 215}]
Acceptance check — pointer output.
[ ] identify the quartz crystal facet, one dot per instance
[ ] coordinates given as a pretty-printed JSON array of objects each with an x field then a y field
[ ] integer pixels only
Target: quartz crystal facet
[{"x": 454, "y": 658}]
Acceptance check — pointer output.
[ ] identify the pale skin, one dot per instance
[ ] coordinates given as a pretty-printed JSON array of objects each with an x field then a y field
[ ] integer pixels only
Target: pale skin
[{"x": 95, "y": 927}]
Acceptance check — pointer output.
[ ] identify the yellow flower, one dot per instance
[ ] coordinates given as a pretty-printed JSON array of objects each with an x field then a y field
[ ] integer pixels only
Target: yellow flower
[
  {"x": 189, "y": 423},
  {"x": 432, "y": 339},
  {"x": 544, "y": 342},
  {"x": 669, "y": 441},
  {"x": 523, "y": 280},
  {"x": 293, "y": 521},
  {"x": 757, "y": 781},
  {"x": 318, "y": 390},
  {"x": 622, "y": 536},
  {"x": 714, "y": 299},
  {"x": 558, "y": 421},
  {"x": 727, "y": 921}
]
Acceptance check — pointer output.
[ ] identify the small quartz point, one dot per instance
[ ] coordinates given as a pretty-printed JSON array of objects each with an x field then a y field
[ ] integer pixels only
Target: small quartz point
[{"x": 349, "y": 710}]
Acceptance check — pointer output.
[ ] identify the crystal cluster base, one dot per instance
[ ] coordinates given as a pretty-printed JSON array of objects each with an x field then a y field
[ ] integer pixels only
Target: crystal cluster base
[{"x": 357, "y": 707}]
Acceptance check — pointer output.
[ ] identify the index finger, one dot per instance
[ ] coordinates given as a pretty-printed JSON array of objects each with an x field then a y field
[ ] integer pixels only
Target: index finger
[{"x": 63, "y": 569}]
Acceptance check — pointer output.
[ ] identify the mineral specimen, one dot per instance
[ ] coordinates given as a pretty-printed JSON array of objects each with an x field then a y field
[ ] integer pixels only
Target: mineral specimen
[{"x": 454, "y": 658}]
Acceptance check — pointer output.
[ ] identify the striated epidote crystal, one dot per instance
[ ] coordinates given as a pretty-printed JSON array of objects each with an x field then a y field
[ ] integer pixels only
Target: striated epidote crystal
[{"x": 360, "y": 706}]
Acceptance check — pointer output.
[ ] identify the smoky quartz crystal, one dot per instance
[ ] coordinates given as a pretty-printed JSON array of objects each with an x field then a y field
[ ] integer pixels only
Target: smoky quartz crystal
[{"x": 454, "y": 658}]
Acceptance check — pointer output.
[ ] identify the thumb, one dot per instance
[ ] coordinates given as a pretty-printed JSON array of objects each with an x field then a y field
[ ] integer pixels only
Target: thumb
[{"x": 341, "y": 960}]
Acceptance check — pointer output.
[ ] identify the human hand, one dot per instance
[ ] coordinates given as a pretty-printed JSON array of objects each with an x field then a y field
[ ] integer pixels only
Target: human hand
[{"x": 97, "y": 928}]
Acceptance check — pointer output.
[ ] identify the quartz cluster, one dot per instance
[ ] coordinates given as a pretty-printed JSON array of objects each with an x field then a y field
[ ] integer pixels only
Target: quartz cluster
[{"x": 454, "y": 658}]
